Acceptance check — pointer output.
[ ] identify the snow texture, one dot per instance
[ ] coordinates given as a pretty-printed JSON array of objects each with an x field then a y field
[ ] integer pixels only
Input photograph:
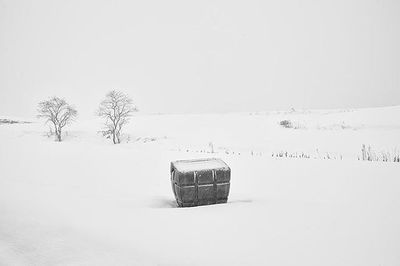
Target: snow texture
[
  {"x": 200, "y": 164},
  {"x": 85, "y": 201}
]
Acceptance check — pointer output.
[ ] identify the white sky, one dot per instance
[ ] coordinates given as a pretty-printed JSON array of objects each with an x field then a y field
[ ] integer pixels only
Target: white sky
[{"x": 200, "y": 56}]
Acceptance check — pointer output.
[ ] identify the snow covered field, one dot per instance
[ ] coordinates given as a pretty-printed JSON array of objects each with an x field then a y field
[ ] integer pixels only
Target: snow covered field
[{"x": 85, "y": 201}]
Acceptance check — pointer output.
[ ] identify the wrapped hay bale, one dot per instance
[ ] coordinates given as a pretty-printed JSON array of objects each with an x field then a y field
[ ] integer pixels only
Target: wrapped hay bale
[{"x": 200, "y": 182}]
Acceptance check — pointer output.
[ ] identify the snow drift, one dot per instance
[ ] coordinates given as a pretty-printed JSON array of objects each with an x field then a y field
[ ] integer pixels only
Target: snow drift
[{"x": 85, "y": 201}]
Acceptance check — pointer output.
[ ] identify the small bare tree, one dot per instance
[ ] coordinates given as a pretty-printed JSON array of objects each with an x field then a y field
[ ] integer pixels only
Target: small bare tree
[
  {"x": 116, "y": 109},
  {"x": 58, "y": 112}
]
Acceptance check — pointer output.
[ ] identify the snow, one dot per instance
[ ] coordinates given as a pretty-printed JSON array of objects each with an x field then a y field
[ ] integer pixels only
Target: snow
[
  {"x": 85, "y": 201},
  {"x": 199, "y": 164}
]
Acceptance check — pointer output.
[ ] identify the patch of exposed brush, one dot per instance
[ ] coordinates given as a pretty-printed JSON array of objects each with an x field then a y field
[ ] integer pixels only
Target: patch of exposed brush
[
  {"x": 305, "y": 155},
  {"x": 286, "y": 154},
  {"x": 291, "y": 124},
  {"x": 9, "y": 121},
  {"x": 370, "y": 154}
]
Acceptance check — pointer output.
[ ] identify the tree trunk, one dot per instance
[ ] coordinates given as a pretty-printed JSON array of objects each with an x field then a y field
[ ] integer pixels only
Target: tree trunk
[
  {"x": 114, "y": 138},
  {"x": 59, "y": 135},
  {"x": 118, "y": 139},
  {"x": 57, "y": 138}
]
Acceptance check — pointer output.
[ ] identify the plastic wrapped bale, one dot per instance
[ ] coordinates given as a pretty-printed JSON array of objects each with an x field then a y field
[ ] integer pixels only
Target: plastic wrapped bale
[{"x": 200, "y": 182}]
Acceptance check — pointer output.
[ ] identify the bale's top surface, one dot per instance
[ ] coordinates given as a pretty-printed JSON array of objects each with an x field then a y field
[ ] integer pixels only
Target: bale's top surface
[{"x": 199, "y": 164}]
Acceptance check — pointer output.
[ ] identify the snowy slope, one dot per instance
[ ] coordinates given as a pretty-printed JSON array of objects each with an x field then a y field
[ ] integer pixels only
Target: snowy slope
[{"x": 87, "y": 202}]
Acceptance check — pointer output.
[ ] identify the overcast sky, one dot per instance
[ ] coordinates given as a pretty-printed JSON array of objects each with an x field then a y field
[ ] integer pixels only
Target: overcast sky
[{"x": 200, "y": 56}]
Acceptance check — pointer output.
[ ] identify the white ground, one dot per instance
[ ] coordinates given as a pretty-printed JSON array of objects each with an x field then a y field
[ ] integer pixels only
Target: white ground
[{"x": 87, "y": 202}]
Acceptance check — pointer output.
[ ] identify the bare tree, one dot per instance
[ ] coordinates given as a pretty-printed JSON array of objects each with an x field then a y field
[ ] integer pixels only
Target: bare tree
[
  {"x": 116, "y": 109},
  {"x": 58, "y": 112}
]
